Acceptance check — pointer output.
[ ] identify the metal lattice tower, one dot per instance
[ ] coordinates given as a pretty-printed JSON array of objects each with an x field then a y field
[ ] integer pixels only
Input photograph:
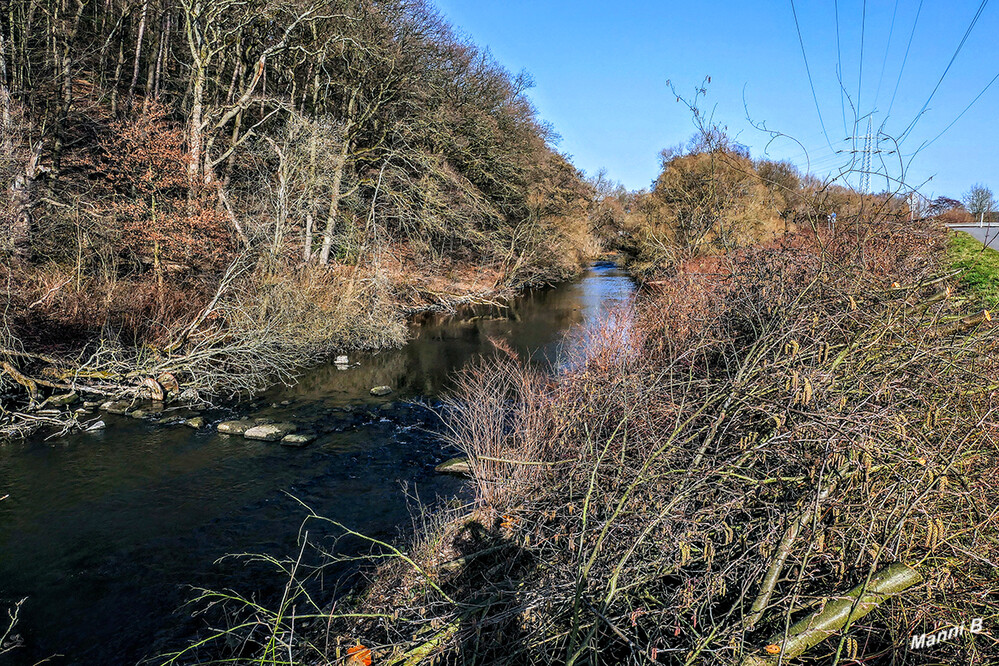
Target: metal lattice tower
[{"x": 865, "y": 177}]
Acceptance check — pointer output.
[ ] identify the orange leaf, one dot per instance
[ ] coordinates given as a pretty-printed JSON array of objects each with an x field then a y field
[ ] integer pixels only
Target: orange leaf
[
  {"x": 359, "y": 656},
  {"x": 773, "y": 648}
]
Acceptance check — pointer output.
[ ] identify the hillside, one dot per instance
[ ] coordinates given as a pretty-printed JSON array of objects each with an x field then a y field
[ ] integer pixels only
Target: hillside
[{"x": 222, "y": 191}]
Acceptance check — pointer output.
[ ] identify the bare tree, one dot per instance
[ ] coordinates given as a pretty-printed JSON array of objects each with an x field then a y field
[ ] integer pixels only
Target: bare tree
[{"x": 979, "y": 201}]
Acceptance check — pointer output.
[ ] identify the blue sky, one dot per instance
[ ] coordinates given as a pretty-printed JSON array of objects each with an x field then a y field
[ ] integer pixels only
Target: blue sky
[{"x": 600, "y": 70}]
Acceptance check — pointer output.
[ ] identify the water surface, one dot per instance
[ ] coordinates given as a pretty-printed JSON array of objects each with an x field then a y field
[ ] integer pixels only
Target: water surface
[{"x": 105, "y": 533}]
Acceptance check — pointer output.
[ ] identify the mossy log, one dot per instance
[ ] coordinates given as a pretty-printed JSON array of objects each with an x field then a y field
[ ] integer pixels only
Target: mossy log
[
  {"x": 422, "y": 652},
  {"x": 836, "y": 614},
  {"x": 961, "y": 325}
]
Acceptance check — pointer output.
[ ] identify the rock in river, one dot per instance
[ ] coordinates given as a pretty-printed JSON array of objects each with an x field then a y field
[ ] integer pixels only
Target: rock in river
[
  {"x": 381, "y": 390},
  {"x": 195, "y": 422},
  {"x": 297, "y": 440},
  {"x": 237, "y": 427},
  {"x": 270, "y": 432},
  {"x": 116, "y": 406},
  {"x": 458, "y": 466}
]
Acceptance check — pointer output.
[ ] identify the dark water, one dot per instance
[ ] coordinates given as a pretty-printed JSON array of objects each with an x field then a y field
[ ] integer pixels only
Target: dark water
[{"x": 104, "y": 533}]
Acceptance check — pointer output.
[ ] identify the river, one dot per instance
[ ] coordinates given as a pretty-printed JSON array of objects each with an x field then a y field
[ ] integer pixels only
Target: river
[{"x": 105, "y": 533}]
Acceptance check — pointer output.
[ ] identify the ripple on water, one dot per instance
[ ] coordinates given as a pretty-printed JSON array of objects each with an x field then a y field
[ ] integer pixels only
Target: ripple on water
[{"x": 103, "y": 532}]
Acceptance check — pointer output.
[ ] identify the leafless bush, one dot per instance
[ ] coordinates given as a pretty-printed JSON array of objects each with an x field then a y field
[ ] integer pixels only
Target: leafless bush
[{"x": 780, "y": 425}]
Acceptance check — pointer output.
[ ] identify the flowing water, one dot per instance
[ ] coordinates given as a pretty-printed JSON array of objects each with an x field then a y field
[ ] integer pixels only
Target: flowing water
[{"x": 105, "y": 533}]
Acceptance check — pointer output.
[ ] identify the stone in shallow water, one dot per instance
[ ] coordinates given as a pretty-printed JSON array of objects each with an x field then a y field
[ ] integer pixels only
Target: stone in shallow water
[
  {"x": 297, "y": 440},
  {"x": 61, "y": 400},
  {"x": 458, "y": 466},
  {"x": 195, "y": 423},
  {"x": 237, "y": 427},
  {"x": 270, "y": 432},
  {"x": 116, "y": 406},
  {"x": 381, "y": 390},
  {"x": 96, "y": 425}
]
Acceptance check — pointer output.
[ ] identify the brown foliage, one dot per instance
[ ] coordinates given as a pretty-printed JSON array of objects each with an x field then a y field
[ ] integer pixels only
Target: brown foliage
[
  {"x": 144, "y": 167},
  {"x": 773, "y": 427}
]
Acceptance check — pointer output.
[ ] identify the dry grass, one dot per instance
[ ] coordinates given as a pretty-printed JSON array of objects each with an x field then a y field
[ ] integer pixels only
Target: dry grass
[{"x": 778, "y": 426}]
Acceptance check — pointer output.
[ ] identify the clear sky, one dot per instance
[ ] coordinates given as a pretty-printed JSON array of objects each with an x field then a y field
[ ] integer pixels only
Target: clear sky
[{"x": 601, "y": 68}]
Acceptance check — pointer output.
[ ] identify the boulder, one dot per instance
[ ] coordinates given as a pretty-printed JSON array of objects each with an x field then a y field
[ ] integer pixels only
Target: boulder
[
  {"x": 116, "y": 406},
  {"x": 189, "y": 395},
  {"x": 168, "y": 382},
  {"x": 297, "y": 440},
  {"x": 196, "y": 422},
  {"x": 96, "y": 425},
  {"x": 270, "y": 432},
  {"x": 459, "y": 466},
  {"x": 154, "y": 388},
  {"x": 341, "y": 360},
  {"x": 139, "y": 414},
  {"x": 381, "y": 390},
  {"x": 237, "y": 427}
]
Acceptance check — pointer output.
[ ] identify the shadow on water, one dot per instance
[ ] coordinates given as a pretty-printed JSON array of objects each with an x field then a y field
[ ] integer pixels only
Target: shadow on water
[{"x": 105, "y": 532}]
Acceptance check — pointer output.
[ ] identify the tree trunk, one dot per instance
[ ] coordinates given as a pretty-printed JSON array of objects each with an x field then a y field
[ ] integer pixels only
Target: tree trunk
[
  {"x": 161, "y": 56},
  {"x": 341, "y": 164},
  {"x": 5, "y": 115},
  {"x": 836, "y": 614},
  {"x": 63, "y": 45},
  {"x": 334, "y": 210},
  {"x": 307, "y": 254},
  {"x": 195, "y": 129},
  {"x": 22, "y": 198},
  {"x": 138, "y": 49}
]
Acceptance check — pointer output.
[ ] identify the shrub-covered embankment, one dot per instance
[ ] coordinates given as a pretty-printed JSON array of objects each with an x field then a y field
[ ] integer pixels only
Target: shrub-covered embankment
[{"x": 786, "y": 451}]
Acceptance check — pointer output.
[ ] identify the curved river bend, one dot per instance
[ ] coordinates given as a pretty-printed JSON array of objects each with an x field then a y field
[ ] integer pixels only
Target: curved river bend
[{"x": 105, "y": 533}]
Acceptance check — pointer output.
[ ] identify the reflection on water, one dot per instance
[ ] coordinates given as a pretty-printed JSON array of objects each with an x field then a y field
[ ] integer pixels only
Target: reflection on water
[{"x": 104, "y": 531}]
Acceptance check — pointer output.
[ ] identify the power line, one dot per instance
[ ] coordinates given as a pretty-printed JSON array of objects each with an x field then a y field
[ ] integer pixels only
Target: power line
[
  {"x": 884, "y": 61},
  {"x": 809, "y": 72},
  {"x": 839, "y": 69},
  {"x": 964, "y": 39},
  {"x": 860, "y": 75},
  {"x": 912, "y": 34},
  {"x": 977, "y": 97}
]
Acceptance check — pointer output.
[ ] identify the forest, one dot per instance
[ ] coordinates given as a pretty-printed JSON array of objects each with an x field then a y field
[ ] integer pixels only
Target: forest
[{"x": 282, "y": 179}]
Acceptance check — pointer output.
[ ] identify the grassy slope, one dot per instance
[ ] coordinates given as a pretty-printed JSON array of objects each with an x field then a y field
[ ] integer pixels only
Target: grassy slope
[{"x": 979, "y": 266}]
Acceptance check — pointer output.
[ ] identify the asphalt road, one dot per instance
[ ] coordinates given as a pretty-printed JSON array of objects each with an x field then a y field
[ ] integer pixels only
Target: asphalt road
[{"x": 988, "y": 235}]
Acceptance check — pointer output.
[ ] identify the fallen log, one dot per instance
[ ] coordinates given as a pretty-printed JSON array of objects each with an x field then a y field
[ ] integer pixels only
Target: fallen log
[
  {"x": 961, "y": 325},
  {"x": 29, "y": 384},
  {"x": 836, "y": 614}
]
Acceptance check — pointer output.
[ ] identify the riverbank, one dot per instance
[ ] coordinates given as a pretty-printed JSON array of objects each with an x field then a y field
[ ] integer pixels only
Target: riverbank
[
  {"x": 255, "y": 329},
  {"x": 112, "y": 528},
  {"x": 770, "y": 430}
]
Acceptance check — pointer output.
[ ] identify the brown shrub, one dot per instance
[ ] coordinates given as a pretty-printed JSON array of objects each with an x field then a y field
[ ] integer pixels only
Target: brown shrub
[{"x": 772, "y": 431}]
